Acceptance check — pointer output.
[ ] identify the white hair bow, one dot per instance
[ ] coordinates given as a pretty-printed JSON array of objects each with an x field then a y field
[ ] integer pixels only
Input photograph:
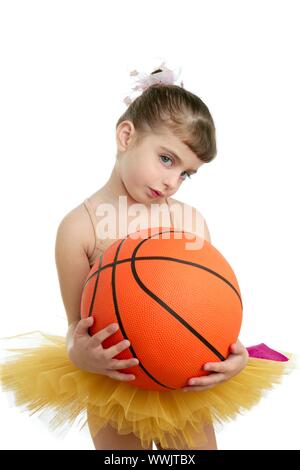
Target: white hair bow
[{"x": 144, "y": 80}]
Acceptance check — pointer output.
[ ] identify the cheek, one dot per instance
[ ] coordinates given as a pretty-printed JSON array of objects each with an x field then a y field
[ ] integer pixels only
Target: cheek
[
  {"x": 152, "y": 168},
  {"x": 135, "y": 175},
  {"x": 145, "y": 170},
  {"x": 138, "y": 175}
]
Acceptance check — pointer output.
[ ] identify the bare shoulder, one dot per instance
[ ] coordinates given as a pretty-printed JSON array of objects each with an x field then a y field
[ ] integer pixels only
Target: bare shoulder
[
  {"x": 77, "y": 226},
  {"x": 72, "y": 260},
  {"x": 189, "y": 218}
]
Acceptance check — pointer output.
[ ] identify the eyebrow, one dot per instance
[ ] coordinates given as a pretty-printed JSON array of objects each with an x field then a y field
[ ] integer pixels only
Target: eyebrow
[{"x": 176, "y": 156}]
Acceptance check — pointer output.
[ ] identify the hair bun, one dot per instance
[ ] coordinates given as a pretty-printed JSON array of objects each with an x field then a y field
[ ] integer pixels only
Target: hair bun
[{"x": 143, "y": 80}]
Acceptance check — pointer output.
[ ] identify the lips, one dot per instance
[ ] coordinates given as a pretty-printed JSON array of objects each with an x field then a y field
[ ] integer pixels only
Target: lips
[{"x": 156, "y": 192}]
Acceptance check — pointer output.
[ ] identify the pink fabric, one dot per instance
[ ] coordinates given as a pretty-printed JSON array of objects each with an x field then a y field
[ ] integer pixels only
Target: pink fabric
[
  {"x": 262, "y": 351},
  {"x": 144, "y": 80}
]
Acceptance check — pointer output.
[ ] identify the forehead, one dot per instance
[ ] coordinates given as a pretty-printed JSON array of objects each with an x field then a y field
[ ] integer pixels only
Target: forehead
[{"x": 165, "y": 137}]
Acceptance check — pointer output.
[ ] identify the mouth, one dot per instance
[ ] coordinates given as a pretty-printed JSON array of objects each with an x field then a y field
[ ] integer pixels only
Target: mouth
[{"x": 155, "y": 193}]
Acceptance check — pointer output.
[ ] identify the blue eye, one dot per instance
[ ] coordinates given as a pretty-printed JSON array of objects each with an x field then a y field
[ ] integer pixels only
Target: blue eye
[{"x": 165, "y": 156}]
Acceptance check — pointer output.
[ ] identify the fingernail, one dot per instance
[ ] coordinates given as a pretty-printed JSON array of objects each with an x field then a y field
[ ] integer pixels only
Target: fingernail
[{"x": 206, "y": 367}]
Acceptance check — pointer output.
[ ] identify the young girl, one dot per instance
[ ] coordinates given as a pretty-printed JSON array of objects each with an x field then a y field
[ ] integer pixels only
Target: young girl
[{"x": 165, "y": 136}]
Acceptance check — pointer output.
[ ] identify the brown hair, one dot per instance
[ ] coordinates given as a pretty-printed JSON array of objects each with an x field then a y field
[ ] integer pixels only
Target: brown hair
[{"x": 178, "y": 110}]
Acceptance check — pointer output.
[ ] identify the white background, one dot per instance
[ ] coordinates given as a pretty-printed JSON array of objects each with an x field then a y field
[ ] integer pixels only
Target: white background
[{"x": 64, "y": 73}]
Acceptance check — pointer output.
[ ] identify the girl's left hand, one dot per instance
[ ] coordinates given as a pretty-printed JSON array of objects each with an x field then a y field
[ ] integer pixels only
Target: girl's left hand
[{"x": 222, "y": 371}]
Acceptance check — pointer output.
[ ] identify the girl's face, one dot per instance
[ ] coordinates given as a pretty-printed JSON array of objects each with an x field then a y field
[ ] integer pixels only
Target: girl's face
[{"x": 159, "y": 161}]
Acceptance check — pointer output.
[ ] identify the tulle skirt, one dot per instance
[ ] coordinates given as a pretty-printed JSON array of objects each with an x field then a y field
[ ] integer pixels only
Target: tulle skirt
[{"x": 43, "y": 378}]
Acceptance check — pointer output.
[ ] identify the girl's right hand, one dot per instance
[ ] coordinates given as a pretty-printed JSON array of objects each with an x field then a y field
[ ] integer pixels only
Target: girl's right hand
[{"x": 87, "y": 352}]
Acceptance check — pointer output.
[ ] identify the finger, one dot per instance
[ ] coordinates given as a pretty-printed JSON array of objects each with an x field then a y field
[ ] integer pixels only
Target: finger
[
  {"x": 215, "y": 367},
  {"x": 212, "y": 379},
  {"x": 117, "y": 348},
  {"x": 83, "y": 325},
  {"x": 123, "y": 364},
  {"x": 119, "y": 376},
  {"x": 236, "y": 348},
  {"x": 102, "y": 335}
]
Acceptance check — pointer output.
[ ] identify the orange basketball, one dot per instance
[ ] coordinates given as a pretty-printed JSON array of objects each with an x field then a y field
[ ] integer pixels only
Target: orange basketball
[{"x": 179, "y": 307}]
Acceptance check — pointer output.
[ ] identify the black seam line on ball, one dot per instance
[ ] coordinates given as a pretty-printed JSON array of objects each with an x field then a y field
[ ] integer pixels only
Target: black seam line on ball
[
  {"x": 95, "y": 290},
  {"x": 120, "y": 320},
  {"x": 142, "y": 258},
  {"x": 171, "y": 311}
]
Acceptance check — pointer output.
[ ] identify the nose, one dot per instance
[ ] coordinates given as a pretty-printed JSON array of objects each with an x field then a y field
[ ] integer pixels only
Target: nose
[{"x": 171, "y": 181}]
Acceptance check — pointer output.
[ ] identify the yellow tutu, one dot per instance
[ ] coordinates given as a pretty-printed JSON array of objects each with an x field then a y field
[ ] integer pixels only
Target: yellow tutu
[{"x": 42, "y": 377}]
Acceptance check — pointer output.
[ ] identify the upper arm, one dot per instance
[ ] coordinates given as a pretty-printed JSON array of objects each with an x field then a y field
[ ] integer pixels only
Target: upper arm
[
  {"x": 206, "y": 232},
  {"x": 202, "y": 226},
  {"x": 72, "y": 263},
  {"x": 198, "y": 223}
]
